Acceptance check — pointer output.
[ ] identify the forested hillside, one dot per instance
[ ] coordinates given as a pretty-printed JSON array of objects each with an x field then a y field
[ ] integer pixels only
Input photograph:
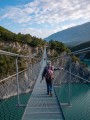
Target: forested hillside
[
  {"x": 21, "y": 44},
  {"x": 6, "y": 35},
  {"x": 56, "y": 48}
]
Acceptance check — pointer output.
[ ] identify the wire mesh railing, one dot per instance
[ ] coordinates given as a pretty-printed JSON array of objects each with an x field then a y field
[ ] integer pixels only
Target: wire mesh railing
[
  {"x": 71, "y": 73},
  {"x": 72, "y": 86},
  {"x": 15, "y": 90}
]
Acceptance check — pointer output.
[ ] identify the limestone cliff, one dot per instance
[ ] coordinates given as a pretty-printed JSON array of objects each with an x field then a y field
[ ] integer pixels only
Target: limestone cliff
[
  {"x": 7, "y": 63},
  {"x": 77, "y": 68},
  {"x": 19, "y": 48}
]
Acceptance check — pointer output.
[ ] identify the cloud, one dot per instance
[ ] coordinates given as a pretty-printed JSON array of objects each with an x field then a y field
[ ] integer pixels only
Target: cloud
[
  {"x": 54, "y": 13},
  {"x": 42, "y": 11},
  {"x": 42, "y": 33}
]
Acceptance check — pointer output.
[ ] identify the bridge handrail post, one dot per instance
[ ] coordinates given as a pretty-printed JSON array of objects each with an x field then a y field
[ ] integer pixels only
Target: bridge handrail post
[
  {"x": 28, "y": 74},
  {"x": 69, "y": 90},
  {"x": 18, "y": 98}
]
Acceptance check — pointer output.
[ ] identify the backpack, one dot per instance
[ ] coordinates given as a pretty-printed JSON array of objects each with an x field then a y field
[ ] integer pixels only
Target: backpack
[{"x": 49, "y": 74}]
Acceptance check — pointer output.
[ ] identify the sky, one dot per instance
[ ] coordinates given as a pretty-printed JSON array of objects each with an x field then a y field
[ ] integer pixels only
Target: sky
[{"x": 42, "y": 18}]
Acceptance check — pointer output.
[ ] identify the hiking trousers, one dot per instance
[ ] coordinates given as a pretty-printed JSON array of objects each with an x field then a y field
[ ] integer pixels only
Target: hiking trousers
[{"x": 49, "y": 86}]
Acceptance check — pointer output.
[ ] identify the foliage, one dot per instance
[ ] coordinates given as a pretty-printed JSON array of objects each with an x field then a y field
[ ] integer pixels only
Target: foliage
[
  {"x": 7, "y": 63},
  {"x": 74, "y": 58},
  {"x": 58, "y": 46},
  {"x": 6, "y": 35},
  {"x": 36, "y": 42}
]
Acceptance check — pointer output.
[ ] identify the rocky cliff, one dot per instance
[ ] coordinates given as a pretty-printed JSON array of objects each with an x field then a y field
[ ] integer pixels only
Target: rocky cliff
[
  {"x": 26, "y": 81},
  {"x": 19, "y": 47},
  {"x": 78, "y": 69},
  {"x": 7, "y": 63}
]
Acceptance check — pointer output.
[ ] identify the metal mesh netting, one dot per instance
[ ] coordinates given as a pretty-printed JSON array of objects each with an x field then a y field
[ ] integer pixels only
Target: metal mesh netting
[
  {"x": 72, "y": 89},
  {"x": 61, "y": 78},
  {"x": 8, "y": 92}
]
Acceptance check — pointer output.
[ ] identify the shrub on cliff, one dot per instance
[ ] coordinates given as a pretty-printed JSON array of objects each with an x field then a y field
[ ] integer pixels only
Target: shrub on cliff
[{"x": 58, "y": 46}]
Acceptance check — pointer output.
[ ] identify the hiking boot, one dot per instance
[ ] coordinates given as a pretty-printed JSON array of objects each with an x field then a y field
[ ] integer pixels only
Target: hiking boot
[{"x": 50, "y": 94}]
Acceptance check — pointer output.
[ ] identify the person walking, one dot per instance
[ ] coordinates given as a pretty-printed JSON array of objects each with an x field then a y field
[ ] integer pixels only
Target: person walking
[{"x": 48, "y": 74}]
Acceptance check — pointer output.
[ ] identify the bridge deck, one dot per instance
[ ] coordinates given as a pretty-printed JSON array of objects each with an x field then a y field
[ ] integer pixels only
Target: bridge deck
[{"x": 41, "y": 106}]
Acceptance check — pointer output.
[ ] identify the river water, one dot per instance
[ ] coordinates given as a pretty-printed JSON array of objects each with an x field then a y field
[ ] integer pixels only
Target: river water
[
  {"x": 9, "y": 110},
  {"x": 79, "y": 98}
]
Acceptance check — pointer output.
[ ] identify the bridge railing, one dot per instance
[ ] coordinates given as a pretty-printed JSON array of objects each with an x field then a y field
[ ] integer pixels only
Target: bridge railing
[
  {"x": 15, "y": 90},
  {"x": 72, "y": 73},
  {"x": 72, "y": 87}
]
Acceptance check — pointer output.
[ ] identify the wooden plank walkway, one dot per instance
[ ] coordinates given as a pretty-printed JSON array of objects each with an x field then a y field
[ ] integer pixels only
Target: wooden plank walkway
[{"x": 41, "y": 106}]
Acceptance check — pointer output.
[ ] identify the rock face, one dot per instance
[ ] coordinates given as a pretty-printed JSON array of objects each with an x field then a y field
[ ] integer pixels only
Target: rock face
[
  {"x": 80, "y": 73},
  {"x": 19, "y": 48},
  {"x": 8, "y": 86},
  {"x": 26, "y": 80},
  {"x": 77, "y": 68},
  {"x": 6, "y": 68}
]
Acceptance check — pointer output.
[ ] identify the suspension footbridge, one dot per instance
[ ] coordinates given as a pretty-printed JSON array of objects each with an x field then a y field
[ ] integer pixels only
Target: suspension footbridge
[
  {"x": 40, "y": 105},
  {"x": 70, "y": 101}
]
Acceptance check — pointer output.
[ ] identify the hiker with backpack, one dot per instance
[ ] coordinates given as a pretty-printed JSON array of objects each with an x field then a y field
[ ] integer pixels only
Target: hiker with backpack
[{"x": 48, "y": 73}]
